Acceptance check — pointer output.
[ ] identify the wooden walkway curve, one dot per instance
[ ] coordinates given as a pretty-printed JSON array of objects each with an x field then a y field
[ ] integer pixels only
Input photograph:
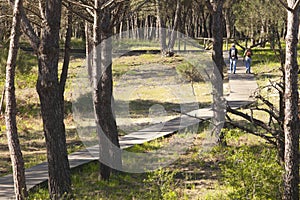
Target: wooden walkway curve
[{"x": 241, "y": 87}]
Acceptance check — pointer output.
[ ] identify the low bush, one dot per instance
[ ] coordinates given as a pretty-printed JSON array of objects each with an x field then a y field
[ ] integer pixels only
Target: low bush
[
  {"x": 188, "y": 72},
  {"x": 253, "y": 173}
]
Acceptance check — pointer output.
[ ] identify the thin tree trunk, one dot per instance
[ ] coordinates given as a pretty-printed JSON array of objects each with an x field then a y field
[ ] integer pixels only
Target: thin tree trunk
[
  {"x": 121, "y": 30},
  {"x": 132, "y": 28},
  {"x": 204, "y": 21},
  {"x": 280, "y": 137},
  {"x": 291, "y": 120},
  {"x": 10, "y": 117},
  {"x": 136, "y": 26},
  {"x": 88, "y": 47},
  {"x": 146, "y": 29},
  {"x": 162, "y": 27},
  {"x": 228, "y": 23},
  {"x": 65, "y": 67},
  {"x": 128, "y": 29},
  {"x": 2, "y": 101},
  {"x": 173, "y": 33}
]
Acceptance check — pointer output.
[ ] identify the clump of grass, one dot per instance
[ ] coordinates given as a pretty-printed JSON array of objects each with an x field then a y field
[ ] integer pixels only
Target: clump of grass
[
  {"x": 188, "y": 72},
  {"x": 161, "y": 184},
  {"x": 147, "y": 146}
]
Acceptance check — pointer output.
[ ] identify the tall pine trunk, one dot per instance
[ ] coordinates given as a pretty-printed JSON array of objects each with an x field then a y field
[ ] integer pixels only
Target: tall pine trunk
[
  {"x": 50, "y": 92},
  {"x": 10, "y": 117},
  {"x": 48, "y": 88},
  {"x": 102, "y": 93},
  {"x": 291, "y": 119}
]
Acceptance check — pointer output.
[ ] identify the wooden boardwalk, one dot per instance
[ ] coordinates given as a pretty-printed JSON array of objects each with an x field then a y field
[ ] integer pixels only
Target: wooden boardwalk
[{"x": 241, "y": 87}]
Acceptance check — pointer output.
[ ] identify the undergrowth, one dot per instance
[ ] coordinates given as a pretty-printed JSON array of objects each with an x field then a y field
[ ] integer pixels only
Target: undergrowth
[{"x": 237, "y": 171}]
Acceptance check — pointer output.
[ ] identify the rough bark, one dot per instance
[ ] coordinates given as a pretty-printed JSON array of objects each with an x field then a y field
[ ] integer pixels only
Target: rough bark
[
  {"x": 102, "y": 93},
  {"x": 48, "y": 88},
  {"x": 10, "y": 117},
  {"x": 291, "y": 96},
  {"x": 215, "y": 8}
]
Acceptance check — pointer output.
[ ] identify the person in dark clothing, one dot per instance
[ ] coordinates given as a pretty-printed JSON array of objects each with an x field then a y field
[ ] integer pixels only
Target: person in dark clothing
[{"x": 233, "y": 57}]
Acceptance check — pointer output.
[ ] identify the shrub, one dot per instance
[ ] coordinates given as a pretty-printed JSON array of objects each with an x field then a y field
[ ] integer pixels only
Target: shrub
[
  {"x": 253, "y": 173},
  {"x": 162, "y": 185},
  {"x": 188, "y": 72}
]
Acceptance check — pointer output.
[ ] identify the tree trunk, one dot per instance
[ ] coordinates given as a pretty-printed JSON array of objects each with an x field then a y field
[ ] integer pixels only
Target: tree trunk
[
  {"x": 2, "y": 101},
  {"x": 175, "y": 25},
  {"x": 49, "y": 91},
  {"x": 121, "y": 30},
  {"x": 48, "y": 87},
  {"x": 10, "y": 117},
  {"x": 291, "y": 120},
  {"x": 162, "y": 27},
  {"x": 128, "y": 29},
  {"x": 65, "y": 67},
  {"x": 204, "y": 26},
  {"x": 280, "y": 138},
  {"x": 217, "y": 79},
  {"x": 228, "y": 23},
  {"x": 88, "y": 47},
  {"x": 133, "y": 28},
  {"x": 102, "y": 94},
  {"x": 146, "y": 28}
]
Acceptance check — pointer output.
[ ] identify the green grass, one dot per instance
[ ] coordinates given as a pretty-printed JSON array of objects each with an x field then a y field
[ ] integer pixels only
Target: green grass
[
  {"x": 158, "y": 184},
  {"x": 148, "y": 146},
  {"x": 196, "y": 175}
]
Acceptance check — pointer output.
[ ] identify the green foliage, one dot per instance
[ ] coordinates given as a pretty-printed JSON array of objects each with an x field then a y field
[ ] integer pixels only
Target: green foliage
[
  {"x": 162, "y": 185},
  {"x": 232, "y": 134},
  {"x": 40, "y": 193},
  {"x": 147, "y": 146},
  {"x": 3, "y": 58},
  {"x": 25, "y": 61},
  {"x": 188, "y": 72},
  {"x": 77, "y": 43},
  {"x": 253, "y": 173},
  {"x": 252, "y": 15}
]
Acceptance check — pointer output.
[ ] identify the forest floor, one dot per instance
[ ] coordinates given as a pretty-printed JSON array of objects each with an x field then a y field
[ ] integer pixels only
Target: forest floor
[
  {"x": 147, "y": 85},
  {"x": 196, "y": 175}
]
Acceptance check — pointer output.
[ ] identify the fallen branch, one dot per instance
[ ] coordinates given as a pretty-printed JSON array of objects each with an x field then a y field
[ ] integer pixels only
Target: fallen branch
[{"x": 270, "y": 139}]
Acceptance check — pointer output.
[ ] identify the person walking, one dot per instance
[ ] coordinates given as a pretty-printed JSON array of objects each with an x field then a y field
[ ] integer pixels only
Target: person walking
[
  {"x": 233, "y": 57},
  {"x": 247, "y": 56}
]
